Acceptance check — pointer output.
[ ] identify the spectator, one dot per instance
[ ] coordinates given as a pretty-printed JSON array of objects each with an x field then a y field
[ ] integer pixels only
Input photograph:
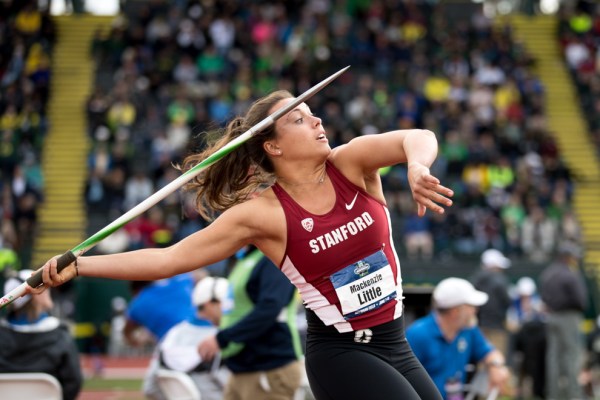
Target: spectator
[
  {"x": 178, "y": 349},
  {"x": 258, "y": 337},
  {"x": 527, "y": 322},
  {"x": 526, "y": 305},
  {"x": 564, "y": 293},
  {"x": 417, "y": 236},
  {"x": 24, "y": 84},
  {"x": 513, "y": 214},
  {"x": 570, "y": 228},
  {"x": 539, "y": 234},
  {"x": 9, "y": 260},
  {"x": 474, "y": 44},
  {"x": 137, "y": 189},
  {"x": 592, "y": 361},
  {"x": 28, "y": 20},
  {"x": 275, "y": 46},
  {"x": 155, "y": 308},
  {"x": 447, "y": 340},
  {"x": 34, "y": 341},
  {"x": 491, "y": 279}
]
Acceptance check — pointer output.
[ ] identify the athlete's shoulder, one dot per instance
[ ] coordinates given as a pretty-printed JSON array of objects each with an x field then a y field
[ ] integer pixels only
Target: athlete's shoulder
[
  {"x": 264, "y": 219},
  {"x": 260, "y": 212},
  {"x": 266, "y": 202}
]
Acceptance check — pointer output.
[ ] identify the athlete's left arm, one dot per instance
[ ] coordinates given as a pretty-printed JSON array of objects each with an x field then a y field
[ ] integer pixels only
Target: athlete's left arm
[
  {"x": 361, "y": 158},
  {"x": 371, "y": 152}
]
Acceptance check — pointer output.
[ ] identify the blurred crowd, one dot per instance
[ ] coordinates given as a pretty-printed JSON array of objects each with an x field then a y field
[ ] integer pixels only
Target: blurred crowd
[
  {"x": 27, "y": 36},
  {"x": 579, "y": 38},
  {"x": 170, "y": 74}
]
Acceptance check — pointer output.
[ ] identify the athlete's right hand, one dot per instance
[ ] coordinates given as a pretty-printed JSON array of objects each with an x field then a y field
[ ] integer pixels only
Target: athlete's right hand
[{"x": 426, "y": 189}]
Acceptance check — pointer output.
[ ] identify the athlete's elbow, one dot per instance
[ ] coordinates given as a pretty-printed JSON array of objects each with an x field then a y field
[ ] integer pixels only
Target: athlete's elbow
[{"x": 426, "y": 132}]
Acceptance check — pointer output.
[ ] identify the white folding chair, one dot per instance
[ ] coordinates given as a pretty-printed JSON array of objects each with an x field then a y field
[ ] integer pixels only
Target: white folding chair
[
  {"x": 29, "y": 385},
  {"x": 177, "y": 385}
]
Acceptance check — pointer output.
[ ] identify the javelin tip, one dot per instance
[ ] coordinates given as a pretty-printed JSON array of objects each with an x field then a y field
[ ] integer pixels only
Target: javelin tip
[{"x": 306, "y": 95}]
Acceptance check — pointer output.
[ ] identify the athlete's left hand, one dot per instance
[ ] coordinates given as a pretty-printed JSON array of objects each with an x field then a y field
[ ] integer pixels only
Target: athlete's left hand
[{"x": 427, "y": 191}]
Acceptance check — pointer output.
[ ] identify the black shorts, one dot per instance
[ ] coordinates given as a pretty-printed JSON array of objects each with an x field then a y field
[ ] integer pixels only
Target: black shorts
[{"x": 369, "y": 364}]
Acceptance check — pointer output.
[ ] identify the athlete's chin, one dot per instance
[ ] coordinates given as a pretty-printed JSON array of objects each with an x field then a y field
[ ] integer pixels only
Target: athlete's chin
[
  {"x": 326, "y": 149},
  {"x": 325, "y": 154}
]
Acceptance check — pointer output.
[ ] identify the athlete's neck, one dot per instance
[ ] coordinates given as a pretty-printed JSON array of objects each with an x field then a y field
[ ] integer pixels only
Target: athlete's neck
[{"x": 298, "y": 181}]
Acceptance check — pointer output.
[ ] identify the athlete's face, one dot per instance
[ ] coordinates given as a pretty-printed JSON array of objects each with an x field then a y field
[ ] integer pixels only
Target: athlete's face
[{"x": 299, "y": 132}]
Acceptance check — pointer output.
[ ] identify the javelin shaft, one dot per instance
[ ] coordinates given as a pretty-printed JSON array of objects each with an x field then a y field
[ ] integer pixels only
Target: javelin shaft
[{"x": 67, "y": 258}]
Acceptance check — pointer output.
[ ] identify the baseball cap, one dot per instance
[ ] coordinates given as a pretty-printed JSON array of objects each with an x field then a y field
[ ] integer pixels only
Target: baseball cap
[
  {"x": 208, "y": 289},
  {"x": 452, "y": 292},
  {"x": 568, "y": 248},
  {"x": 14, "y": 282},
  {"x": 494, "y": 258},
  {"x": 526, "y": 286}
]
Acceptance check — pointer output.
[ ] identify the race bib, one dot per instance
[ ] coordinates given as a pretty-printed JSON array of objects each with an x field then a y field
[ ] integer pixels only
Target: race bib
[{"x": 365, "y": 285}]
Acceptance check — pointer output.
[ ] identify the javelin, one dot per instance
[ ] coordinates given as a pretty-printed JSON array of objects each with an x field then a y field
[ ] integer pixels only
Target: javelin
[{"x": 71, "y": 255}]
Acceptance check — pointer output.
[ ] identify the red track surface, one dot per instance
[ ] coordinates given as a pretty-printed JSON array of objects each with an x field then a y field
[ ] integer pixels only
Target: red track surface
[{"x": 113, "y": 368}]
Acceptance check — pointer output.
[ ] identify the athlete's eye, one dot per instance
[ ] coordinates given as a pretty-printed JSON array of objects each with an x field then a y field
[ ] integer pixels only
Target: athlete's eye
[{"x": 299, "y": 121}]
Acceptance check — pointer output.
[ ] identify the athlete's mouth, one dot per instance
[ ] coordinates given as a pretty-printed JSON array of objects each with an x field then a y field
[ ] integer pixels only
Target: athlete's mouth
[{"x": 321, "y": 136}]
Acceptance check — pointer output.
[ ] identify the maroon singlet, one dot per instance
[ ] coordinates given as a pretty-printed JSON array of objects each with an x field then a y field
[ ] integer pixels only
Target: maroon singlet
[{"x": 350, "y": 249}]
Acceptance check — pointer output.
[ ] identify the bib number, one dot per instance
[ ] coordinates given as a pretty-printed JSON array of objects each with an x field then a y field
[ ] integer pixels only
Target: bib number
[{"x": 365, "y": 285}]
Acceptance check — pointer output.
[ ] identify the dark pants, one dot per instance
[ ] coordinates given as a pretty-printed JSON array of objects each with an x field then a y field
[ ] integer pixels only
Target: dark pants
[
  {"x": 530, "y": 341},
  {"x": 384, "y": 368}
]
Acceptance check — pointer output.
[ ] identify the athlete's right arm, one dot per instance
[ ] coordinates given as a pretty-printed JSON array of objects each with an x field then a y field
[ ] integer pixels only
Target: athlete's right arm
[{"x": 239, "y": 226}]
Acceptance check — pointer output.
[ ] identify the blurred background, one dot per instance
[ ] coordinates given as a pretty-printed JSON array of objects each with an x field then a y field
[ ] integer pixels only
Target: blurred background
[{"x": 98, "y": 99}]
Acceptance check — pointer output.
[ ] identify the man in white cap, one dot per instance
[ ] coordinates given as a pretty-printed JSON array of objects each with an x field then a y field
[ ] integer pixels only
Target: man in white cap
[
  {"x": 491, "y": 279},
  {"x": 447, "y": 339},
  {"x": 178, "y": 347},
  {"x": 34, "y": 341}
]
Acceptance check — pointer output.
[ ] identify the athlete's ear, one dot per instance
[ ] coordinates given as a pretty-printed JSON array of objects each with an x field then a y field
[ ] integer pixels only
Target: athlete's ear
[{"x": 271, "y": 148}]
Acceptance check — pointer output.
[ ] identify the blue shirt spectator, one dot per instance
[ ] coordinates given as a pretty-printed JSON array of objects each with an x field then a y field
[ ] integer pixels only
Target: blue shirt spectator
[
  {"x": 447, "y": 340},
  {"x": 162, "y": 304},
  {"x": 443, "y": 359}
]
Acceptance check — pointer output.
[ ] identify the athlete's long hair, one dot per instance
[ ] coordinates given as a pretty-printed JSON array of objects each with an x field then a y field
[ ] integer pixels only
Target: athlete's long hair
[{"x": 233, "y": 178}]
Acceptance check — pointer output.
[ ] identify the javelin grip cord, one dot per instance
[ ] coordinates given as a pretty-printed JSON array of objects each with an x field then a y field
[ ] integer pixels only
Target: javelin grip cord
[{"x": 61, "y": 263}]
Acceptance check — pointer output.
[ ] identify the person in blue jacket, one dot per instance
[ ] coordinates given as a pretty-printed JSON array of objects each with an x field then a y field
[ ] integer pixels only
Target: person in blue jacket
[
  {"x": 447, "y": 339},
  {"x": 157, "y": 306},
  {"x": 258, "y": 338},
  {"x": 178, "y": 347}
]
